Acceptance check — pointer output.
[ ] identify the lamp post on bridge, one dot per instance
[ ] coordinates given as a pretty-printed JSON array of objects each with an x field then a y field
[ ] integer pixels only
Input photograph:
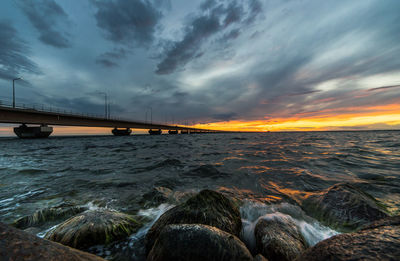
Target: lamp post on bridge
[
  {"x": 151, "y": 114},
  {"x": 16, "y": 79},
  {"x": 105, "y": 104}
]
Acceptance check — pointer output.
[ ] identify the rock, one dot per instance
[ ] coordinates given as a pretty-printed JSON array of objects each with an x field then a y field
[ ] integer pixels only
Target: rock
[
  {"x": 278, "y": 237},
  {"x": 208, "y": 208},
  {"x": 380, "y": 241},
  {"x": 156, "y": 197},
  {"x": 161, "y": 195},
  {"x": 197, "y": 242},
  {"x": 344, "y": 207},
  {"x": 43, "y": 216},
  {"x": 95, "y": 227},
  {"x": 259, "y": 257},
  {"x": 18, "y": 245}
]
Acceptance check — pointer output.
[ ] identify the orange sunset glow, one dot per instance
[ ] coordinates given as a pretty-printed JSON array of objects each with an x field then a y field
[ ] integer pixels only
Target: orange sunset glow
[{"x": 353, "y": 118}]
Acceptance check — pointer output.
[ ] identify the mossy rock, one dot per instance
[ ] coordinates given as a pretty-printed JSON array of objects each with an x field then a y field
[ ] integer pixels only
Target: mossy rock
[
  {"x": 208, "y": 208},
  {"x": 344, "y": 207},
  {"x": 197, "y": 242},
  {"x": 96, "y": 227},
  {"x": 46, "y": 215}
]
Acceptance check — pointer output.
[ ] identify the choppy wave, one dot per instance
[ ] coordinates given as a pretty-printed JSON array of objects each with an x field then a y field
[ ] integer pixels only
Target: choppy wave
[{"x": 276, "y": 170}]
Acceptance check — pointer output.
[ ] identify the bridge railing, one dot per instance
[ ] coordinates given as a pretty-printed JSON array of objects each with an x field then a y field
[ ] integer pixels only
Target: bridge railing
[{"x": 52, "y": 109}]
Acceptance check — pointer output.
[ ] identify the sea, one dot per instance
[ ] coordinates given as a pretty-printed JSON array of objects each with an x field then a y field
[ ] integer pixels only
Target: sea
[{"x": 269, "y": 172}]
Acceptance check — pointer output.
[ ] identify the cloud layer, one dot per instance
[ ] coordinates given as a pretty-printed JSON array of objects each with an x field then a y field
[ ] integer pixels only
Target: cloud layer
[
  {"x": 208, "y": 61},
  {"x": 50, "y": 20},
  {"x": 13, "y": 54}
]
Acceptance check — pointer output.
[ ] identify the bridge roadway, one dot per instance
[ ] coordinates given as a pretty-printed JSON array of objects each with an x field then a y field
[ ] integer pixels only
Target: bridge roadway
[{"x": 33, "y": 116}]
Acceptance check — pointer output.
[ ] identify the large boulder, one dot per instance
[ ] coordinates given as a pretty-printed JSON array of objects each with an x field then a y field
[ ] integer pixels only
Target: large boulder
[
  {"x": 378, "y": 241},
  {"x": 46, "y": 215},
  {"x": 94, "y": 227},
  {"x": 344, "y": 207},
  {"x": 19, "y": 245},
  {"x": 208, "y": 208},
  {"x": 197, "y": 242},
  {"x": 278, "y": 237}
]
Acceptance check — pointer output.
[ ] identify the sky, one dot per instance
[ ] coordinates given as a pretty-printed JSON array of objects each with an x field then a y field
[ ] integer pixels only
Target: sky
[{"x": 255, "y": 65}]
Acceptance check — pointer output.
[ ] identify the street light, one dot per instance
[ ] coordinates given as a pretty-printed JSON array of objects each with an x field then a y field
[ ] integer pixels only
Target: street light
[
  {"x": 16, "y": 79},
  {"x": 151, "y": 114},
  {"x": 105, "y": 103}
]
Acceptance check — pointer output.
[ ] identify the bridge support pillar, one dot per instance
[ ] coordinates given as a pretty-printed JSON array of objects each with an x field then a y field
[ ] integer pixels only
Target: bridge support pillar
[
  {"x": 121, "y": 132},
  {"x": 25, "y": 132},
  {"x": 155, "y": 131}
]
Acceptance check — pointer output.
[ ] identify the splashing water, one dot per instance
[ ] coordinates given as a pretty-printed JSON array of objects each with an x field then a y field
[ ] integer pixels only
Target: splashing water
[{"x": 251, "y": 212}]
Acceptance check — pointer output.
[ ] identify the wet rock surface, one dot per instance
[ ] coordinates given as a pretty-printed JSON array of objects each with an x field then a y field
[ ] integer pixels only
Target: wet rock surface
[
  {"x": 93, "y": 228},
  {"x": 345, "y": 207},
  {"x": 197, "y": 242},
  {"x": 378, "y": 241},
  {"x": 278, "y": 238},
  {"x": 208, "y": 208},
  {"x": 46, "y": 215},
  {"x": 18, "y": 245},
  {"x": 161, "y": 195}
]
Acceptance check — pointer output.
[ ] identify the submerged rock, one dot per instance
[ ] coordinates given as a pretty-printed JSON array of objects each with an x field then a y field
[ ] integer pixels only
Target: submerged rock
[
  {"x": 278, "y": 237},
  {"x": 43, "y": 216},
  {"x": 378, "y": 241},
  {"x": 19, "y": 245},
  {"x": 94, "y": 228},
  {"x": 197, "y": 242},
  {"x": 161, "y": 195},
  {"x": 344, "y": 207},
  {"x": 208, "y": 208}
]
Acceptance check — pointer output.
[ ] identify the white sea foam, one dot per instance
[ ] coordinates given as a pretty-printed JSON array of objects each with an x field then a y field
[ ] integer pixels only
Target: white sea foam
[
  {"x": 153, "y": 214},
  {"x": 312, "y": 231}
]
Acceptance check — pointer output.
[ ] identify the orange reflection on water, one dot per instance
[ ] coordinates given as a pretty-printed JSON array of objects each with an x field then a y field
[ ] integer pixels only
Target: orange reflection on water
[
  {"x": 294, "y": 194},
  {"x": 250, "y": 195}
]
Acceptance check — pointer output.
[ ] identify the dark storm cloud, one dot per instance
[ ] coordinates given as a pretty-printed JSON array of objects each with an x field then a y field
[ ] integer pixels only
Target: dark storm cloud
[
  {"x": 225, "y": 116},
  {"x": 13, "y": 53},
  {"x": 128, "y": 22},
  {"x": 294, "y": 66},
  {"x": 110, "y": 59},
  {"x": 49, "y": 19},
  {"x": 214, "y": 17}
]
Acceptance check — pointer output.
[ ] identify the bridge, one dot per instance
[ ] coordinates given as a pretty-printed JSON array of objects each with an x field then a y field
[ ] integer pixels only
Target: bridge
[{"x": 43, "y": 118}]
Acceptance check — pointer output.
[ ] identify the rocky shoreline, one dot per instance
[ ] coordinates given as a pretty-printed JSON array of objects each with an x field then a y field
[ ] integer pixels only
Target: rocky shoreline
[{"x": 208, "y": 226}]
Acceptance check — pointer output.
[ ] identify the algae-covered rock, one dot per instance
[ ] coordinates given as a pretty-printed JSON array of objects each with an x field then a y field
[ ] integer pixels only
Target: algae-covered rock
[
  {"x": 378, "y": 241},
  {"x": 43, "y": 216},
  {"x": 94, "y": 228},
  {"x": 344, "y": 207},
  {"x": 197, "y": 242},
  {"x": 19, "y": 245},
  {"x": 278, "y": 237},
  {"x": 208, "y": 208}
]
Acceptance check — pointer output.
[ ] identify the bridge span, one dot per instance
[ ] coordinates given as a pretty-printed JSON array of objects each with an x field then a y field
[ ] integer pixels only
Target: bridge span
[{"x": 44, "y": 118}]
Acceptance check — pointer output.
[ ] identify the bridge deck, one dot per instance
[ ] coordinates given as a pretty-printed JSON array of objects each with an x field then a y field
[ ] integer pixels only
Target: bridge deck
[{"x": 32, "y": 116}]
